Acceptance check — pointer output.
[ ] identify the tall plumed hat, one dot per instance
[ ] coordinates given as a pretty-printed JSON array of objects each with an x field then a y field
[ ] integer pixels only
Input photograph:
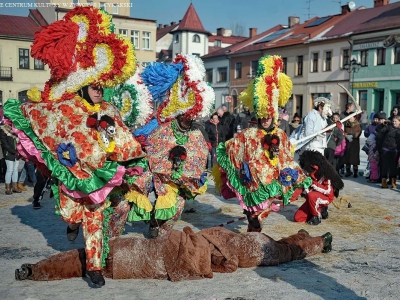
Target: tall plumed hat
[
  {"x": 269, "y": 90},
  {"x": 181, "y": 84},
  {"x": 81, "y": 49},
  {"x": 133, "y": 99}
]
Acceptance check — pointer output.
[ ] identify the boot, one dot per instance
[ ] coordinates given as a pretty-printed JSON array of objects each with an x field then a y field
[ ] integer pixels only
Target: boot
[
  {"x": 21, "y": 186},
  {"x": 394, "y": 183},
  {"x": 15, "y": 188},
  {"x": 327, "y": 242},
  {"x": 384, "y": 183},
  {"x": 314, "y": 220},
  {"x": 72, "y": 233},
  {"x": 253, "y": 229},
  {"x": 324, "y": 212},
  {"x": 355, "y": 169},
  {"x": 348, "y": 172},
  {"x": 96, "y": 277},
  {"x": 8, "y": 189}
]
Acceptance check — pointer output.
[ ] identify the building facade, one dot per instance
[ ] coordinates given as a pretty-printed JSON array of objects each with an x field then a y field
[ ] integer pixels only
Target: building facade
[{"x": 19, "y": 72}]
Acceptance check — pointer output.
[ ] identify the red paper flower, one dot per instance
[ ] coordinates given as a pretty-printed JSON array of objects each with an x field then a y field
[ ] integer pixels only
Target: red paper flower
[
  {"x": 103, "y": 124},
  {"x": 91, "y": 122}
]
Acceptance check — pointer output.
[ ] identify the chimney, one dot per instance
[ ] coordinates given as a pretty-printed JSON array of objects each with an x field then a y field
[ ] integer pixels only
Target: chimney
[
  {"x": 293, "y": 20},
  {"x": 252, "y": 32},
  {"x": 165, "y": 25},
  {"x": 173, "y": 23},
  {"x": 159, "y": 26},
  {"x": 378, "y": 3},
  {"x": 219, "y": 31},
  {"x": 345, "y": 9}
]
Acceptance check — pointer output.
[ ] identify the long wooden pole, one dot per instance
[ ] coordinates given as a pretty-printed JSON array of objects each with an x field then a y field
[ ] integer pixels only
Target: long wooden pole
[{"x": 358, "y": 111}]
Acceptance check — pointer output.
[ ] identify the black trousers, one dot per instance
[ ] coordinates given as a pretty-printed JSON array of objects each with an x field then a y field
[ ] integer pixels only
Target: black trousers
[
  {"x": 388, "y": 162},
  {"x": 39, "y": 186}
]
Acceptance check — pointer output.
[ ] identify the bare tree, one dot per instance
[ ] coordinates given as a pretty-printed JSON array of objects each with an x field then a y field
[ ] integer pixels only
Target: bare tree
[{"x": 238, "y": 29}]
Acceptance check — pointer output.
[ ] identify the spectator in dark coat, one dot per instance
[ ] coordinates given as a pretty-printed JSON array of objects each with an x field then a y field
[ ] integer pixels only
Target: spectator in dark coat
[
  {"x": 352, "y": 129},
  {"x": 371, "y": 128},
  {"x": 388, "y": 144},
  {"x": 395, "y": 112},
  {"x": 228, "y": 122},
  {"x": 214, "y": 130},
  {"x": 335, "y": 138},
  {"x": 243, "y": 118},
  {"x": 283, "y": 124}
]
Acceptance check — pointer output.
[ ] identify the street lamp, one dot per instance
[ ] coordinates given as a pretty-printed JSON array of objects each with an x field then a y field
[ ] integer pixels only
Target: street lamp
[{"x": 352, "y": 67}]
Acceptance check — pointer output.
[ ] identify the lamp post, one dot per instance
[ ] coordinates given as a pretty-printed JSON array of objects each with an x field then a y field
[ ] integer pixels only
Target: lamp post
[{"x": 351, "y": 68}]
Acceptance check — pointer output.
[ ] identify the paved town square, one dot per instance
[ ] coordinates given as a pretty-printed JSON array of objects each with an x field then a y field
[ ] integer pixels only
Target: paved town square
[{"x": 364, "y": 262}]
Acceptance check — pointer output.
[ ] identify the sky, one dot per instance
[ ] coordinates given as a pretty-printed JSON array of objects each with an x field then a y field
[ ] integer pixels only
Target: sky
[{"x": 245, "y": 14}]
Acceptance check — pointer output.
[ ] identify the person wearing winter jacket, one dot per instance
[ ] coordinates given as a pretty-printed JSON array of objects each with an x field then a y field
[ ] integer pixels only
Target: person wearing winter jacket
[
  {"x": 388, "y": 144},
  {"x": 215, "y": 131},
  {"x": 335, "y": 138},
  {"x": 9, "y": 142}
]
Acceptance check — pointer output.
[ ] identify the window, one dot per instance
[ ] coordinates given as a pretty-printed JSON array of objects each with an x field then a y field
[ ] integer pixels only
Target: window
[
  {"x": 284, "y": 63},
  {"x": 196, "y": 54},
  {"x": 380, "y": 56},
  {"x": 90, "y": 3},
  {"x": 253, "y": 68},
  {"x": 176, "y": 38},
  {"x": 238, "y": 70},
  {"x": 135, "y": 38},
  {"x": 115, "y": 9},
  {"x": 38, "y": 64},
  {"x": 196, "y": 38},
  {"x": 1, "y": 97},
  {"x": 23, "y": 58},
  {"x": 217, "y": 43},
  {"x": 396, "y": 55},
  {"x": 314, "y": 67},
  {"x": 328, "y": 61},
  {"x": 345, "y": 57},
  {"x": 123, "y": 32},
  {"x": 300, "y": 65},
  {"x": 209, "y": 75},
  {"x": 146, "y": 40},
  {"x": 23, "y": 96},
  {"x": 222, "y": 74},
  {"x": 103, "y": 5},
  {"x": 364, "y": 58}
]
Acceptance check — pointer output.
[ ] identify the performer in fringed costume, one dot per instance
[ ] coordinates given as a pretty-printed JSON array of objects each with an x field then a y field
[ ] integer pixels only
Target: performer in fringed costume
[
  {"x": 177, "y": 152},
  {"x": 70, "y": 130},
  {"x": 257, "y": 165}
]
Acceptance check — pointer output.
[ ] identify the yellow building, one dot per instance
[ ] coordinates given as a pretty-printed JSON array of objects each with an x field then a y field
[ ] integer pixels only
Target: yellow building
[
  {"x": 141, "y": 32},
  {"x": 18, "y": 70}
]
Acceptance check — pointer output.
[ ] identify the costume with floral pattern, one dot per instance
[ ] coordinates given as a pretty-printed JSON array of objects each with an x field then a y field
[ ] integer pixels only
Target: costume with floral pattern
[{"x": 82, "y": 144}]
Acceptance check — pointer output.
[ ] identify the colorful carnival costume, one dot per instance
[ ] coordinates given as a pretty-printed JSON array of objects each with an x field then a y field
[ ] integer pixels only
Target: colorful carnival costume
[
  {"x": 182, "y": 255},
  {"x": 177, "y": 153},
  {"x": 258, "y": 162},
  {"x": 80, "y": 141},
  {"x": 325, "y": 186}
]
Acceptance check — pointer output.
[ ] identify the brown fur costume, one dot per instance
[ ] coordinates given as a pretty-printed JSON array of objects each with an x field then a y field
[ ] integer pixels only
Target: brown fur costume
[{"x": 184, "y": 255}]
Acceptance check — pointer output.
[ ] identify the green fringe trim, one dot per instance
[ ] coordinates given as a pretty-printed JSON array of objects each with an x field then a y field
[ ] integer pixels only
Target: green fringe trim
[
  {"x": 106, "y": 222},
  {"x": 12, "y": 110},
  {"x": 56, "y": 195},
  {"x": 265, "y": 191},
  {"x": 139, "y": 214}
]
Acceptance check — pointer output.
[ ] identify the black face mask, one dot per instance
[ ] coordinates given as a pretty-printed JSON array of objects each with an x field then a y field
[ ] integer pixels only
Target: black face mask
[
  {"x": 271, "y": 127},
  {"x": 84, "y": 93}
]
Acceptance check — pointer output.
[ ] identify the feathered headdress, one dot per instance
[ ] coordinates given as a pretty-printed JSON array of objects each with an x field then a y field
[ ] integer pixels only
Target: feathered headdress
[
  {"x": 133, "y": 99},
  {"x": 80, "y": 50},
  {"x": 270, "y": 88},
  {"x": 183, "y": 86}
]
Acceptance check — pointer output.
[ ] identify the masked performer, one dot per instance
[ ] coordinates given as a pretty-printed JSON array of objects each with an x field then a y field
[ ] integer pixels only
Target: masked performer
[
  {"x": 70, "y": 130},
  {"x": 325, "y": 186},
  {"x": 183, "y": 255},
  {"x": 177, "y": 152},
  {"x": 258, "y": 162}
]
